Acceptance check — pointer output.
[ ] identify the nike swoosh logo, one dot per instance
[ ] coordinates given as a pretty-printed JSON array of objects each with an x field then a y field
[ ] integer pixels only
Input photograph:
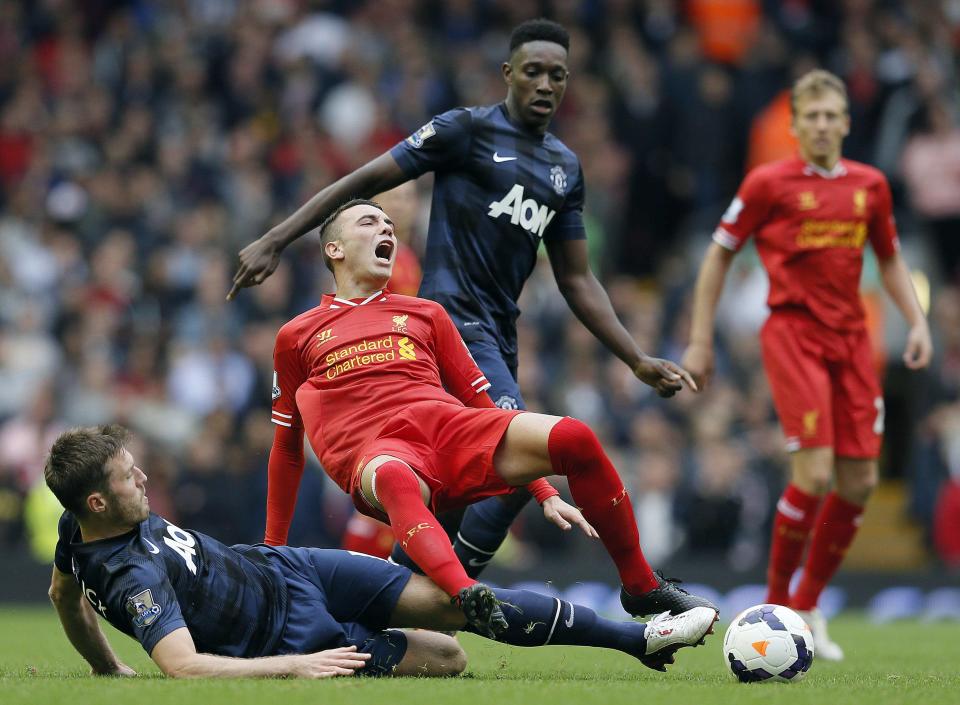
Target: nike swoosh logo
[
  {"x": 497, "y": 158},
  {"x": 151, "y": 547},
  {"x": 476, "y": 563},
  {"x": 569, "y": 620}
]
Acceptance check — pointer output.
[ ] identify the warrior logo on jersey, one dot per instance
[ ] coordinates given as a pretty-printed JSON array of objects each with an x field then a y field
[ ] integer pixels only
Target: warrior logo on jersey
[
  {"x": 275, "y": 392},
  {"x": 325, "y": 336},
  {"x": 558, "y": 177},
  {"x": 400, "y": 324},
  {"x": 808, "y": 201},
  {"x": 422, "y": 135},
  {"x": 143, "y": 609}
]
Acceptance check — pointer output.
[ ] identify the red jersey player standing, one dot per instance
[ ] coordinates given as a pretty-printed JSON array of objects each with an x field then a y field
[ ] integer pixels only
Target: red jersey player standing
[
  {"x": 811, "y": 217},
  {"x": 396, "y": 409}
]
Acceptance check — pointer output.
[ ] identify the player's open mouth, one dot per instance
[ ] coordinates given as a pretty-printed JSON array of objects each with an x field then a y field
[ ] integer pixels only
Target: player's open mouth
[
  {"x": 384, "y": 251},
  {"x": 542, "y": 106}
]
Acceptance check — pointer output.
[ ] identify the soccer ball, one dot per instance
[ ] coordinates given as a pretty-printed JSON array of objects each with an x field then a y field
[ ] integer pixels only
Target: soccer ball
[{"x": 768, "y": 643}]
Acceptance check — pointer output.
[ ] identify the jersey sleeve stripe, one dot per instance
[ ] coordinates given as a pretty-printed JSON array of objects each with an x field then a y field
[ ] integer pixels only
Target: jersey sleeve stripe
[
  {"x": 477, "y": 380},
  {"x": 484, "y": 387},
  {"x": 283, "y": 416},
  {"x": 282, "y": 423},
  {"x": 725, "y": 239}
]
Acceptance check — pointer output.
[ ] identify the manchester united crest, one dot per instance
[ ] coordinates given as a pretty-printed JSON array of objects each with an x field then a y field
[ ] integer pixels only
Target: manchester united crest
[{"x": 558, "y": 177}]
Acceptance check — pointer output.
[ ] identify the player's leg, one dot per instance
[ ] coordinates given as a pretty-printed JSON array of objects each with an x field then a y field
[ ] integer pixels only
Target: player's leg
[
  {"x": 837, "y": 524},
  {"x": 568, "y": 447},
  {"x": 801, "y": 390},
  {"x": 796, "y": 512},
  {"x": 450, "y": 521},
  {"x": 390, "y": 485},
  {"x": 538, "y": 620},
  {"x": 485, "y": 524},
  {"x": 428, "y": 653},
  {"x": 858, "y": 428}
]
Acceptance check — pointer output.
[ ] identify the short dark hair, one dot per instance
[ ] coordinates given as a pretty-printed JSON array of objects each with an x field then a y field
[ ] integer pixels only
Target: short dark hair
[
  {"x": 539, "y": 30},
  {"x": 76, "y": 465},
  {"x": 329, "y": 231}
]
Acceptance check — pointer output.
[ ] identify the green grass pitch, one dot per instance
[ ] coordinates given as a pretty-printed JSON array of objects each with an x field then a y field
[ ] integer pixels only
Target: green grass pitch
[{"x": 900, "y": 663}]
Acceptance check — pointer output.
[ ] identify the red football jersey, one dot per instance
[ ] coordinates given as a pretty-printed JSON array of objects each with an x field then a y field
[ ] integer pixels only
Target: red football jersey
[
  {"x": 345, "y": 368},
  {"x": 811, "y": 226}
]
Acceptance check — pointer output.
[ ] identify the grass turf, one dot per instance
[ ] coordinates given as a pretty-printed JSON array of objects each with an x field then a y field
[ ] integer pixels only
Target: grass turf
[{"x": 901, "y": 663}]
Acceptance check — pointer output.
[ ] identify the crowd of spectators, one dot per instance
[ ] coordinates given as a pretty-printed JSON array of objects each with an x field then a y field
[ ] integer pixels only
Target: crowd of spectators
[{"x": 143, "y": 143}]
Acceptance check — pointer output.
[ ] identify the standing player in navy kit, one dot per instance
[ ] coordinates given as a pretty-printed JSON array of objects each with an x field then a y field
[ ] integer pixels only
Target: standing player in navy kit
[{"x": 502, "y": 184}]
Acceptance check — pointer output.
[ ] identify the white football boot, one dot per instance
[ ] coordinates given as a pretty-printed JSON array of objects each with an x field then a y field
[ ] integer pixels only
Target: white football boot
[
  {"x": 667, "y": 632},
  {"x": 825, "y": 647}
]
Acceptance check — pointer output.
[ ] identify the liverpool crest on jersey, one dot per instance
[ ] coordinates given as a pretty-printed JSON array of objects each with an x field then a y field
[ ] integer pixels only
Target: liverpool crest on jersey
[{"x": 558, "y": 177}]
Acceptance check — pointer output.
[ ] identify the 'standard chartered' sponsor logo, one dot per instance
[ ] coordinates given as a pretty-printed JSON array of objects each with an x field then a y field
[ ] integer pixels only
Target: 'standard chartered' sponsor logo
[
  {"x": 816, "y": 234},
  {"x": 525, "y": 212},
  {"x": 368, "y": 352}
]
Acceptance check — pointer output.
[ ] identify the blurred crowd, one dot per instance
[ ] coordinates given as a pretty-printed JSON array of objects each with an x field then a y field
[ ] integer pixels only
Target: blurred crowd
[{"x": 143, "y": 143}]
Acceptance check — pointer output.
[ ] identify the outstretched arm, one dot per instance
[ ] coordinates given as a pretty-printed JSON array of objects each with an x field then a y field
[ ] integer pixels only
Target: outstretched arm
[
  {"x": 284, "y": 471},
  {"x": 698, "y": 358},
  {"x": 177, "y": 656},
  {"x": 260, "y": 258},
  {"x": 81, "y": 626},
  {"x": 590, "y": 304},
  {"x": 897, "y": 282}
]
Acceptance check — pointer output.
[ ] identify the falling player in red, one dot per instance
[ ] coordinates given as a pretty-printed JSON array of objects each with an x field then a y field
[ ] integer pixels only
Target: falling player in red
[
  {"x": 811, "y": 217},
  {"x": 396, "y": 410}
]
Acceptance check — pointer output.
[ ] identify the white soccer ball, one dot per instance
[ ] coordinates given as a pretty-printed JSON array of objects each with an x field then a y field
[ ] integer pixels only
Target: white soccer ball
[{"x": 768, "y": 643}]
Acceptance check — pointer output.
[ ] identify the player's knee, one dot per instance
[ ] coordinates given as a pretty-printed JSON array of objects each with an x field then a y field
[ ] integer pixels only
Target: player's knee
[
  {"x": 432, "y": 654},
  {"x": 452, "y": 657},
  {"x": 576, "y": 441},
  {"x": 857, "y": 486}
]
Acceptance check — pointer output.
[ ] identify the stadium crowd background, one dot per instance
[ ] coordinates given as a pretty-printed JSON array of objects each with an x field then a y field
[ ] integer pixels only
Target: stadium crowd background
[{"x": 143, "y": 143}]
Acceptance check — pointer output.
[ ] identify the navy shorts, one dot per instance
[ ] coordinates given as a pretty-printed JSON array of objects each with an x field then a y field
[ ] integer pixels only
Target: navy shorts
[
  {"x": 338, "y": 598},
  {"x": 501, "y": 370}
]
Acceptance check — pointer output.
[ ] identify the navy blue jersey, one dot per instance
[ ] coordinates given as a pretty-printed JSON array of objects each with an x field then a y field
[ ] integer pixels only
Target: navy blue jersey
[
  {"x": 159, "y": 578},
  {"x": 498, "y": 191}
]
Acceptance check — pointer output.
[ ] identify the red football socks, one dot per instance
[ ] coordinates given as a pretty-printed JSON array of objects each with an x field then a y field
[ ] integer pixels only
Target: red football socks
[
  {"x": 792, "y": 523},
  {"x": 417, "y": 529},
  {"x": 837, "y": 524},
  {"x": 596, "y": 488}
]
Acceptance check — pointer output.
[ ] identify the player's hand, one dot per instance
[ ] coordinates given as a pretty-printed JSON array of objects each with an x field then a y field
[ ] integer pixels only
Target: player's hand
[
  {"x": 121, "y": 669},
  {"x": 919, "y": 348},
  {"x": 666, "y": 377},
  {"x": 566, "y": 516},
  {"x": 344, "y": 661},
  {"x": 257, "y": 262},
  {"x": 698, "y": 361}
]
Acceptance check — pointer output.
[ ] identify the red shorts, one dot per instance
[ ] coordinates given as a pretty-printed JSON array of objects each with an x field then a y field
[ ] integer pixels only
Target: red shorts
[
  {"x": 823, "y": 384},
  {"x": 449, "y": 446}
]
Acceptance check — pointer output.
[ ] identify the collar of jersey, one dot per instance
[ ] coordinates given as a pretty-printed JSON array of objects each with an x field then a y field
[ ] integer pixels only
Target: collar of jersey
[
  {"x": 837, "y": 171},
  {"x": 336, "y": 302}
]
